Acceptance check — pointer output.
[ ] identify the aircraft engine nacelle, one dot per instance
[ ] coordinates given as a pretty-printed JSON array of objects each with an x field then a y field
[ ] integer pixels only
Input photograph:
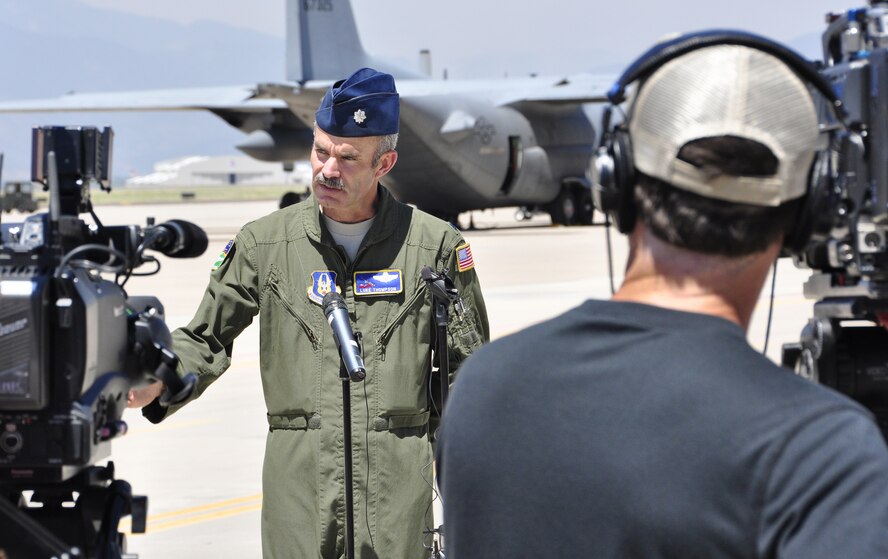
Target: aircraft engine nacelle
[
  {"x": 467, "y": 153},
  {"x": 278, "y": 143}
]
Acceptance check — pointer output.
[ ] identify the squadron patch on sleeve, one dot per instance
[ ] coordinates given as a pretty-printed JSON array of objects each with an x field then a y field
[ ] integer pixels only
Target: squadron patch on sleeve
[
  {"x": 464, "y": 259},
  {"x": 223, "y": 255},
  {"x": 378, "y": 282},
  {"x": 322, "y": 282}
]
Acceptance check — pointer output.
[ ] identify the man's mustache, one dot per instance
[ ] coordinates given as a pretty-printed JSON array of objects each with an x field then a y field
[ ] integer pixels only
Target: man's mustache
[{"x": 329, "y": 182}]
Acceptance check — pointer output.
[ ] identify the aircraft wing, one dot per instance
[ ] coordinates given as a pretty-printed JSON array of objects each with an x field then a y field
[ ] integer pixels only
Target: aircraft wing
[
  {"x": 580, "y": 88},
  {"x": 285, "y": 105},
  {"x": 243, "y": 98},
  {"x": 573, "y": 89}
]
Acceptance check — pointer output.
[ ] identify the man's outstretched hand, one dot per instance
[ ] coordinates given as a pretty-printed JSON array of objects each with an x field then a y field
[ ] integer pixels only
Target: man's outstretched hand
[{"x": 141, "y": 397}]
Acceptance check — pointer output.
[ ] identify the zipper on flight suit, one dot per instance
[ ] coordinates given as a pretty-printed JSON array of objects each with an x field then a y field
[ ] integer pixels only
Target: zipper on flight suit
[
  {"x": 405, "y": 308},
  {"x": 308, "y": 332}
]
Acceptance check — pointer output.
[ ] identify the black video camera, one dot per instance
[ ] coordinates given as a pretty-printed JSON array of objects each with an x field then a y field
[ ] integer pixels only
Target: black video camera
[
  {"x": 73, "y": 343},
  {"x": 845, "y": 345}
]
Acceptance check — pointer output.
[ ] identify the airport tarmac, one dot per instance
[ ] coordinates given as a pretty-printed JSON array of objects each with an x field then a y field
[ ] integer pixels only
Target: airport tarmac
[{"x": 201, "y": 468}]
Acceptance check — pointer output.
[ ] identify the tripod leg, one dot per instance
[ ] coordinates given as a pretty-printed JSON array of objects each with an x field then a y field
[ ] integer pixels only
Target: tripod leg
[
  {"x": 30, "y": 537},
  {"x": 111, "y": 543}
]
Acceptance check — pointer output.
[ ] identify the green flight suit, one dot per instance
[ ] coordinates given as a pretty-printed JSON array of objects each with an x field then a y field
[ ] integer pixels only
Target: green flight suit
[{"x": 270, "y": 270}]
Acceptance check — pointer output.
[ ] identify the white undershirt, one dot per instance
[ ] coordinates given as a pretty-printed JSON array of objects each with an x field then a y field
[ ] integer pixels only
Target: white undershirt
[{"x": 349, "y": 235}]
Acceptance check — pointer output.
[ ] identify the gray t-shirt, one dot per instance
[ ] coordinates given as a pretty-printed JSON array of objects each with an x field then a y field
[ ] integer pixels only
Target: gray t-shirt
[
  {"x": 348, "y": 235},
  {"x": 622, "y": 430}
]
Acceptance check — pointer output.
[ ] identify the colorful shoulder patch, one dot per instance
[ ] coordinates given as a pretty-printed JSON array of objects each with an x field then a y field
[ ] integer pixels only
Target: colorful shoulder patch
[
  {"x": 464, "y": 259},
  {"x": 378, "y": 282},
  {"x": 223, "y": 255},
  {"x": 322, "y": 282}
]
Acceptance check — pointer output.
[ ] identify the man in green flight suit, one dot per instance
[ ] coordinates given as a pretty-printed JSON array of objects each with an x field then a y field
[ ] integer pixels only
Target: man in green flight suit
[{"x": 351, "y": 235}]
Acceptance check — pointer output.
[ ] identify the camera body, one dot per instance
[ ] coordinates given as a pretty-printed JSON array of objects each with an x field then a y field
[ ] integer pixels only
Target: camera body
[
  {"x": 842, "y": 346},
  {"x": 848, "y": 246},
  {"x": 73, "y": 343}
]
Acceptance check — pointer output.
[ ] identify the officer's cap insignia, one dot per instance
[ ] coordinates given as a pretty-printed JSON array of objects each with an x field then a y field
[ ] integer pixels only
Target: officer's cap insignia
[
  {"x": 360, "y": 116},
  {"x": 223, "y": 255},
  {"x": 378, "y": 282},
  {"x": 464, "y": 260},
  {"x": 322, "y": 282}
]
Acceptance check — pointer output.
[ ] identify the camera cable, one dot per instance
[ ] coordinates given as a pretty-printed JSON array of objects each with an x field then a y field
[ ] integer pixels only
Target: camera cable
[
  {"x": 770, "y": 306},
  {"x": 90, "y": 265},
  {"x": 610, "y": 254},
  {"x": 428, "y": 477},
  {"x": 367, "y": 445}
]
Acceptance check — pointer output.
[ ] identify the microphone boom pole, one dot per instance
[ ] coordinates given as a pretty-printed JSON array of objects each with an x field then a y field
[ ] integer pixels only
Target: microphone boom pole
[{"x": 351, "y": 368}]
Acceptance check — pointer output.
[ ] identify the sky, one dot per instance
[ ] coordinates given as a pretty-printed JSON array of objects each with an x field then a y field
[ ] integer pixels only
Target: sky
[
  {"x": 467, "y": 39},
  {"x": 465, "y": 36}
]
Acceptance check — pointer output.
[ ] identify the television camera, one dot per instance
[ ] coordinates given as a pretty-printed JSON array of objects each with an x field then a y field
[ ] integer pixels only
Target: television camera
[
  {"x": 72, "y": 344},
  {"x": 845, "y": 344}
]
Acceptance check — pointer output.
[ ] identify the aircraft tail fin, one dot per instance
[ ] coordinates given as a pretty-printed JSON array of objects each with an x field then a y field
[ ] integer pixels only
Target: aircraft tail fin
[{"x": 323, "y": 42}]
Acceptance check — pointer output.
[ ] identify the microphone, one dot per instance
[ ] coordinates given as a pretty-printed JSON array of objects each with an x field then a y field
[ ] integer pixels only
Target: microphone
[
  {"x": 337, "y": 315},
  {"x": 443, "y": 289},
  {"x": 177, "y": 239}
]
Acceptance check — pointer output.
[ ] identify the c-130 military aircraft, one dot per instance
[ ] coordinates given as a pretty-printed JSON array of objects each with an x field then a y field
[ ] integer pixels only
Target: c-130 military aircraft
[{"x": 464, "y": 144}]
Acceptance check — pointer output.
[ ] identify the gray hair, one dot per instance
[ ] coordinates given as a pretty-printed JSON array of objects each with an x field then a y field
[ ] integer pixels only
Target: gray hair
[{"x": 386, "y": 144}]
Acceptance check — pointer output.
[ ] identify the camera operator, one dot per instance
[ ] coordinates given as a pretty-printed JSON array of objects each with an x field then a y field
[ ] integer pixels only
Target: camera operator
[
  {"x": 351, "y": 236},
  {"x": 646, "y": 426}
]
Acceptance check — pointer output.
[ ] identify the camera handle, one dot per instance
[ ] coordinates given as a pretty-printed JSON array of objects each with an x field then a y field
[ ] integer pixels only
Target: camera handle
[
  {"x": 151, "y": 346},
  {"x": 177, "y": 388}
]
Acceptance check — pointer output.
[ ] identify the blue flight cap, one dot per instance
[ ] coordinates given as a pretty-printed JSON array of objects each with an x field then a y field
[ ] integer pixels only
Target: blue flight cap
[{"x": 364, "y": 104}]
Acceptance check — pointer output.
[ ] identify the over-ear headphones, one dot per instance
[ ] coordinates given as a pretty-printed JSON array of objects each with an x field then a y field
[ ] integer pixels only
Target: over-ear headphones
[{"x": 612, "y": 167}]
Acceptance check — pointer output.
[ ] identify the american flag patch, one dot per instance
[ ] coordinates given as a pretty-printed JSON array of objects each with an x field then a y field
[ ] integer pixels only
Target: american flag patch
[{"x": 464, "y": 259}]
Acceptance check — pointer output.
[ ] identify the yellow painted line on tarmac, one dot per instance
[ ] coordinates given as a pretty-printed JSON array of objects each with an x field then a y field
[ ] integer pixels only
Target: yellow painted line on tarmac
[{"x": 195, "y": 515}]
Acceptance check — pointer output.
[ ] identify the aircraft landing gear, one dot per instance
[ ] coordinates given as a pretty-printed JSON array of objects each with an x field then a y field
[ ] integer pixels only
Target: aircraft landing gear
[
  {"x": 572, "y": 206},
  {"x": 563, "y": 208},
  {"x": 585, "y": 206},
  {"x": 523, "y": 214}
]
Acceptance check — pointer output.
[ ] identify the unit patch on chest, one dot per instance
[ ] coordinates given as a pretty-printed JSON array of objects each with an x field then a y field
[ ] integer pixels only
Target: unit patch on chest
[
  {"x": 322, "y": 282},
  {"x": 378, "y": 282}
]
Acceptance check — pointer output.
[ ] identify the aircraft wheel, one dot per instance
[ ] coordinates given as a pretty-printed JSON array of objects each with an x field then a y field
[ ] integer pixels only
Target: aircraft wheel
[{"x": 563, "y": 208}]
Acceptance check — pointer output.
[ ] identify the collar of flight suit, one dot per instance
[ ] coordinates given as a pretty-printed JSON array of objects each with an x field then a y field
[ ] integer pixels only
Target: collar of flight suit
[{"x": 385, "y": 224}]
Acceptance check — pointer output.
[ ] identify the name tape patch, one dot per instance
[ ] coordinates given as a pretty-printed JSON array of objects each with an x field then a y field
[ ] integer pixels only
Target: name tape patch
[{"x": 378, "y": 282}]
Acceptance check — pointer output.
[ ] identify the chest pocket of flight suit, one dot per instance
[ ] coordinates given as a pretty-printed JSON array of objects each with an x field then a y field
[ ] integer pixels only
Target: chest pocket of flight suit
[
  {"x": 289, "y": 349},
  {"x": 403, "y": 353}
]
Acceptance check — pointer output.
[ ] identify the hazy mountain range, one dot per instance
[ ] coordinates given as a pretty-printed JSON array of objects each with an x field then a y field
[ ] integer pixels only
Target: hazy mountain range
[{"x": 44, "y": 55}]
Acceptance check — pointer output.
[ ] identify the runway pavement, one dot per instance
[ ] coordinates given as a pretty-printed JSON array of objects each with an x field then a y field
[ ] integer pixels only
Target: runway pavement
[{"x": 201, "y": 468}]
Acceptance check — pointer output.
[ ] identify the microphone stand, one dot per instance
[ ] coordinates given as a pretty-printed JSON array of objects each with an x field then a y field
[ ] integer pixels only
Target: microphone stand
[
  {"x": 444, "y": 294},
  {"x": 347, "y": 442},
  {"x": 441, "y": 347},
  {"x": 351, "y": 367}
]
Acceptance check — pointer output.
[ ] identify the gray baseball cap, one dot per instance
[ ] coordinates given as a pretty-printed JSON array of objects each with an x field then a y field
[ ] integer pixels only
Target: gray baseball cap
[{"x": 726, "y": 90}]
